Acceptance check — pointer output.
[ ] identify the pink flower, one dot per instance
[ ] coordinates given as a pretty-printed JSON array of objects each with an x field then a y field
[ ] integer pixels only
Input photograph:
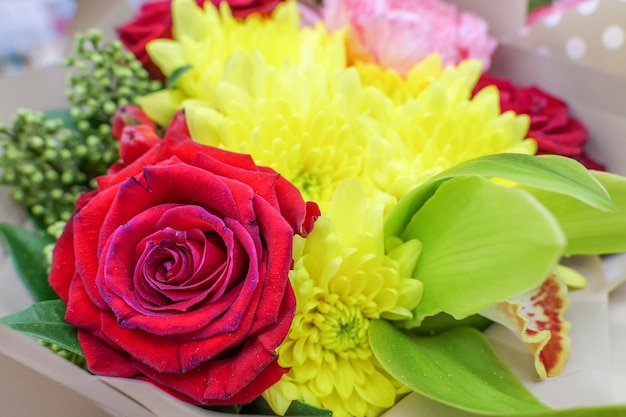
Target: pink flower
[{"x": 400, "y": 33}]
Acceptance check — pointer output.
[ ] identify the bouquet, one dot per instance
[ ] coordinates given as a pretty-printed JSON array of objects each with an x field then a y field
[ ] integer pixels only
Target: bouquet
[{"x": 254, "y": 214}]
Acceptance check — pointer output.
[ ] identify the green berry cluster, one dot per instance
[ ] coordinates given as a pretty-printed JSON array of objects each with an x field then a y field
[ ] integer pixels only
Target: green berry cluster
[
  {"x": 39, "y": 158},
  {"x": 66, "y": 354},
  {"x": 49, "y": 162},
  {"x": 102, "y": 77}
]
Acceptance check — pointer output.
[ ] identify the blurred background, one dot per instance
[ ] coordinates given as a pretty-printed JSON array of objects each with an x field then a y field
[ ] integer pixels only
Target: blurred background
[{"x": 33, "y": 33}]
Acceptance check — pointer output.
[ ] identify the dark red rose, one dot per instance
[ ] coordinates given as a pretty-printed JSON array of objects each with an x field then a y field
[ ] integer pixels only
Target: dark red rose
[
  {"x": 154, "y": 21},
  {"x": 175, "y": 271},
  {"x": 551, "y": 125},
  {"x": 243, "y": 8}
]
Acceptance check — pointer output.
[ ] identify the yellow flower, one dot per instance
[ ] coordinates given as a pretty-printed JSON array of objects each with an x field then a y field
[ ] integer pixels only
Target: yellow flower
[
  {"x": 282, "y": 94},
  {"x": 343, "y": 279},
  {"x": 397, "y": 87},
  {"x": 437, "y": 125},
  {"x": 299, "y": 118},
  {"x": 206, "y": 38}
]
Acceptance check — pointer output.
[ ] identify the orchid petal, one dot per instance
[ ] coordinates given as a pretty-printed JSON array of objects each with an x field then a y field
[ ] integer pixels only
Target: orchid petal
[{"x": 536, "y": 317}]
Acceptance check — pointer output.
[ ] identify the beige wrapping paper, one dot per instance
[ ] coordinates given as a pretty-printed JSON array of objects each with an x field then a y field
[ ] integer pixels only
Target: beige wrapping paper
[{"x": 34, "y": 381}]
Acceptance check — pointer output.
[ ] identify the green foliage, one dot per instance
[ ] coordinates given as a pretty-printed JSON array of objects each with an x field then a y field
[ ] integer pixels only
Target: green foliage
[
  {"x": 589, "y": 230},
  {"x": 482, "y": 243},
  {"x": 102, "y": 76},
  {"x": 41, "y": 162},
  {"x": 26, "y": 250},
  {"x": 178, "y": 72},
  {"x": 552, "y": 173},
  {"x": 49, "y": 159},
  {"x": 45, "y": 321},
  {"x": 458, "y": 368},
  {"x": 298, "y": 408}
]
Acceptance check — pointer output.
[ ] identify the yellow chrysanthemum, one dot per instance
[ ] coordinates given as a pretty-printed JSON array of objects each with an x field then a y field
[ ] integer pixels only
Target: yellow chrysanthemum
[
  {"x": 440, "y": 127},
  {"x": 204, "y": 39},
  {"x": 399, "y": 88},
  {"x": 304, "y": 121},
  {"x": 343, "y": 279}
]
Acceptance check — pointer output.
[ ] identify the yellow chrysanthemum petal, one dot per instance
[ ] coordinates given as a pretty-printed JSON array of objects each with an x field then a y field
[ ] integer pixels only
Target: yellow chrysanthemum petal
[
  {"x": 303, "y": 122},
  {"x": 439, "y": 128},
  {"x": 206, "y": 38},
  {"x": 343, "y": 279},
  {"x": 166, "y": 54},
  {"x": 163, "y": 104},
  {"x": 282, "y": 94}
]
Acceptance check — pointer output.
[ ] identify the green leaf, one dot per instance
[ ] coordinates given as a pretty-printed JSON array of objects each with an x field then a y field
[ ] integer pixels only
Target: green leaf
[
  {"x": 173, "y": 79},
  {"x": 442, "y": 322},
  {"x": 458, "y": 368},
  {"x": 298, "y": 408},
  {"x": 45, "y": 320},
  {"x": 226, "y": 409},
  {"x": 547, "y": 172},
  {"x": 482, "y": 243},
  {"x": 26, "y": 252},
  {"x": 589, "y": 230}
]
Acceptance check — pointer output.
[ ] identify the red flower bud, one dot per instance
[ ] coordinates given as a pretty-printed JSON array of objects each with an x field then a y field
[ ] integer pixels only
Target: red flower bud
[
  {"x": 135, "y": 141},
  {"x": 130, "y": 115}
]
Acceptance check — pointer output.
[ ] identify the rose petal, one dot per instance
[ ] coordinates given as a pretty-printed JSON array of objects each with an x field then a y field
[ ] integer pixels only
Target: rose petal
[
  {"x": 214, "y": 384},
  {"x": 102, "y": 359},
  {"x": 118, "y": 291},
  {"x": 66, "y": 264}
]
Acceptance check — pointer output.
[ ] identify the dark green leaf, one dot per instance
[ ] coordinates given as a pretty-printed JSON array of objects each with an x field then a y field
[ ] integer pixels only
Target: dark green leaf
[
  {"x": 176, "y": 75},
  {"x": 258, "y": 407},
  {"x": 298, "y": 408},
  {"x": 441, "y": 322},
  {"x": 226, "y": 409},
  {"x": 45, "y": 320},
  {"x": 26, "y": 251}
]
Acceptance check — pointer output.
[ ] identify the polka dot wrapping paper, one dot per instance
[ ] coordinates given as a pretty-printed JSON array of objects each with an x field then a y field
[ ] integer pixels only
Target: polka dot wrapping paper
[{"x": 591, "y": 34}]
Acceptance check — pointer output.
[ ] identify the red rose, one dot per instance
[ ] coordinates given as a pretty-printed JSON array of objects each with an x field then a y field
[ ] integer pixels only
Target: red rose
[
  {"x": 550, "y": 122},
  {"x": 154, "y": 21},
  {"x": 243, "y": 8},
  {"x": 175, "y": 271}
]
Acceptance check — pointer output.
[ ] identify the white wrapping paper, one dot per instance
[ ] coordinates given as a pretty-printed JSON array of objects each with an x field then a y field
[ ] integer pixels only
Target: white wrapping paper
[{"x": 33, "y": 381}]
